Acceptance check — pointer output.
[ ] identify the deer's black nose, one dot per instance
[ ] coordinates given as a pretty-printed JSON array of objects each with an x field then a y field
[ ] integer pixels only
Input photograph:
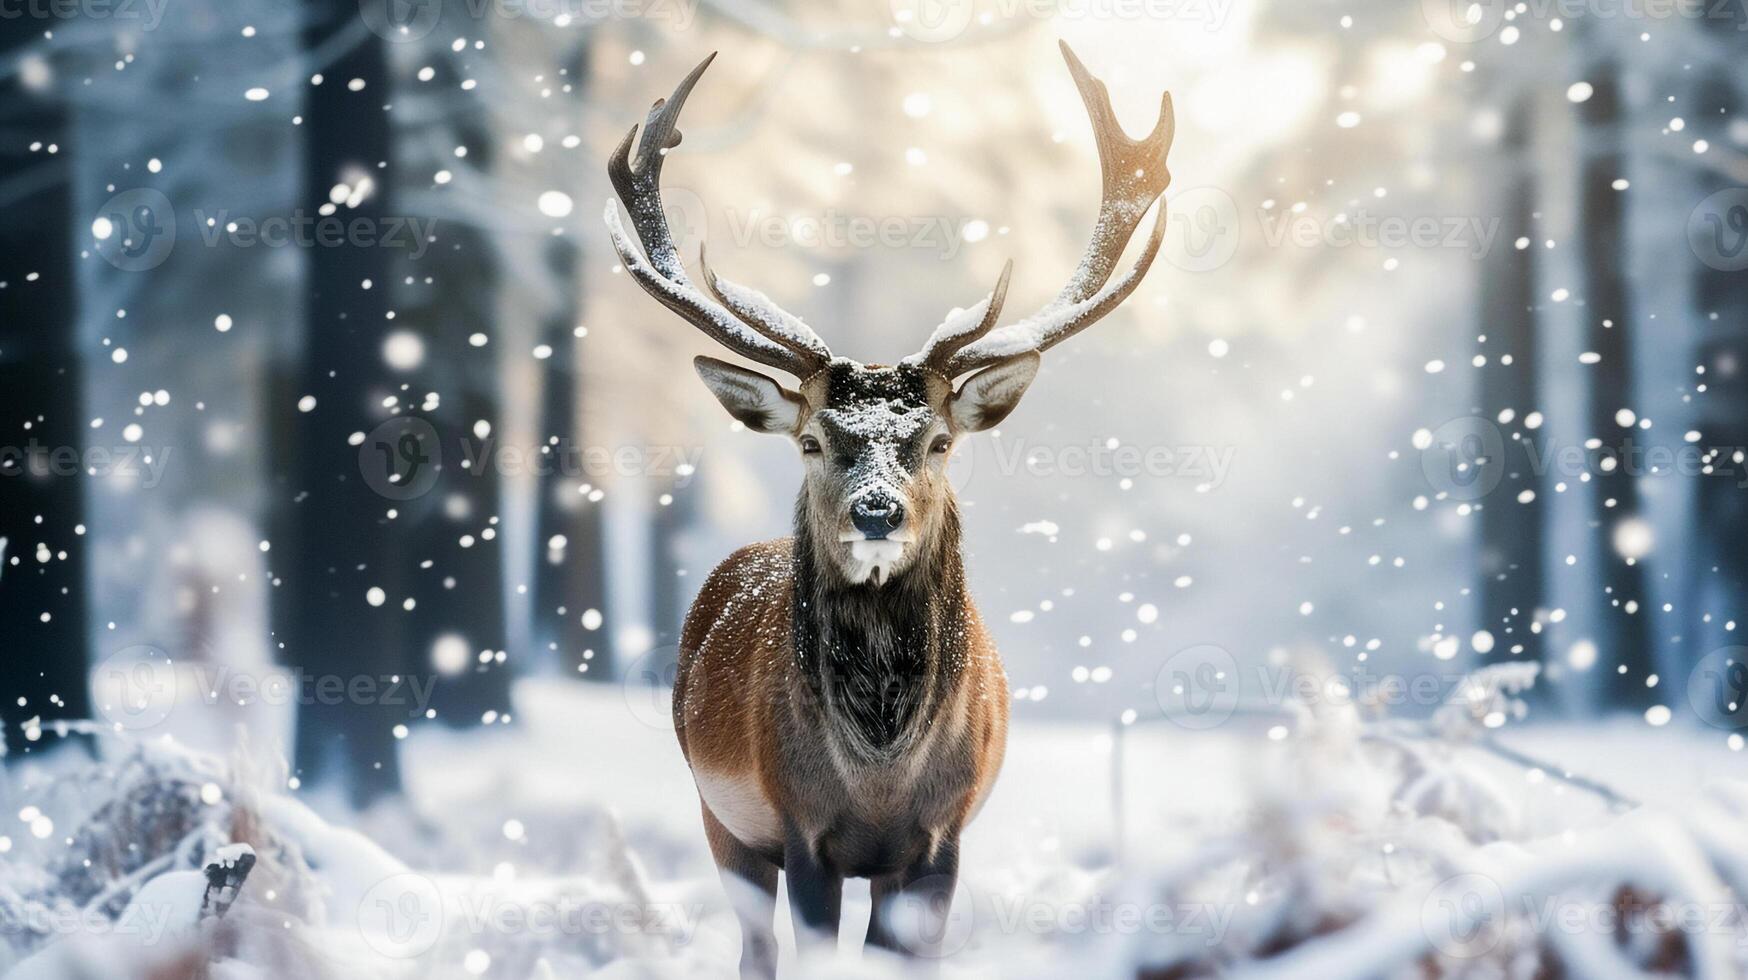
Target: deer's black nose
[{"x": 877, "y": 515}]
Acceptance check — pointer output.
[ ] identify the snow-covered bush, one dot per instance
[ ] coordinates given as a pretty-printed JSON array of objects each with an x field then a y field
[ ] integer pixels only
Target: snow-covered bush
[
  {"x": 1397, "y": 849},
  {"x": 1364, "y": 846},
  {"x": 160, "y": 845},
  {"x": 178, "y": 864}
]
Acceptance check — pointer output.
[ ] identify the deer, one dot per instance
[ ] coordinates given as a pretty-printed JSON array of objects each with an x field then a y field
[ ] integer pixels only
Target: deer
[{"x": 838, "y": 699}]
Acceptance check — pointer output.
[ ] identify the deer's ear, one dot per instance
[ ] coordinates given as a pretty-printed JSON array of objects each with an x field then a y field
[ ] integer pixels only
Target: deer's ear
[
  {"x": 989, "y": 395},
  {"x": 760, "y": 403}
]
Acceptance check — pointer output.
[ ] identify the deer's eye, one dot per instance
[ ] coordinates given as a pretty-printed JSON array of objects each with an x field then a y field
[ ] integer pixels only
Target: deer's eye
[
  {"x": 941, "y": 444},
  {"x": 809, "y": 446}
]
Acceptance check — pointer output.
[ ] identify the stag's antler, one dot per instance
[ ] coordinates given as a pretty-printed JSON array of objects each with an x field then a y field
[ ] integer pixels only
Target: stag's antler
[
  {"x": 1134, "y": 176},
  {"x": 755, "y": 328},
  {"x": 963, "y": 327}
]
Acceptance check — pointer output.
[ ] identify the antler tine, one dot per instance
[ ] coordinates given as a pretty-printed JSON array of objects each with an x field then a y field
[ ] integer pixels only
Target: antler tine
[
  {"x": 763, "y": 315},
  {"x": 640, "y": 186},
  {"x": 766, "y": 334},
  {"x": 1133, "y": 176},
  {"x": 1056, "y": 322},
  {"x": 1132, "y": 172},
  {"x": 963, "y": 327}
]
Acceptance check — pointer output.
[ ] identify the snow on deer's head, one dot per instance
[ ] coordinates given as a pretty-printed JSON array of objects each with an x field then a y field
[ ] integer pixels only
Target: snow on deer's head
[
  {"x": 874, "y": 443},
  {"x": 874, "y": 439}
]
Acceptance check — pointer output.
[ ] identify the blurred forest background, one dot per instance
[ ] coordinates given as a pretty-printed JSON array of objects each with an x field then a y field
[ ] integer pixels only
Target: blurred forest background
[{"x": 314, "y": 356}]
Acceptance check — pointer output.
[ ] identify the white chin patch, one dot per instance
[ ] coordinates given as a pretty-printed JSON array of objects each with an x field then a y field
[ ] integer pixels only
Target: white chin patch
[{"x": 874, "y": 559}]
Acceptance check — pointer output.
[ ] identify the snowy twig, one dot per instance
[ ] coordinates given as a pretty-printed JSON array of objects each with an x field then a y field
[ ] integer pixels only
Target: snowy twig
[
  {"x": 1402, "y": 736},
  {"x": 1613, "y": 797},
  {"x": 225, "y": 875},
  {"x": 122, "y": 889}
]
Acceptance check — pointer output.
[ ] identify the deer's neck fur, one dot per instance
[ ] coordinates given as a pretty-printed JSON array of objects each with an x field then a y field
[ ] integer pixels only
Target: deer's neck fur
[{"x": 881, "y": 659}]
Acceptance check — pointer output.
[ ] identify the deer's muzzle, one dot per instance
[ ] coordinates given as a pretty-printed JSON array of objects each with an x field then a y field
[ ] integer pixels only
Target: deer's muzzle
[{"x": 877, "y": 515}]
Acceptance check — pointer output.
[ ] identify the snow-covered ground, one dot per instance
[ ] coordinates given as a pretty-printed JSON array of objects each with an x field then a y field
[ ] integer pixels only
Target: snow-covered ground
[{"x": 569, "y": 844}]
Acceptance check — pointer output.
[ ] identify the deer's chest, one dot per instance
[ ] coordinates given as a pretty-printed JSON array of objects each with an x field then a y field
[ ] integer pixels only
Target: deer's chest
[
  {"x": 874, "y": 677},
  {"x": 872, "y": 817},
  {"x": 874, "y": 811}
]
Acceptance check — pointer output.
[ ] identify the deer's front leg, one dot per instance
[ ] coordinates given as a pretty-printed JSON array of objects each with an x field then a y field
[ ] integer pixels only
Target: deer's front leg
[
  {"x": 751, "y": 883},
  {"x": 816, "y": 890},
  {"x": 911, "y": 906}
]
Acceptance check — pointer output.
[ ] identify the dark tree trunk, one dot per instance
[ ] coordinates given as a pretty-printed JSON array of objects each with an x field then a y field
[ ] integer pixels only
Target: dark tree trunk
[
  {"x": 1623, "y": 639},
  {"x": 572, "y": 580},
  {"x": 333, "y": 539},
  {"x": 452, "y": 295},
  {"x": 43, "y": 662},
  {"x": 1511, "y": 533},
  {"x": 666, "y": 591},
  {"x": 1718, "y": 236}
]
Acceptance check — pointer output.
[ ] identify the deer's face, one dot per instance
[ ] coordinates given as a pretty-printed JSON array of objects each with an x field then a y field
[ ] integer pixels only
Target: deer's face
[
  {"x": 874, "y": 443},
  {"x": 874, "y": 440}
]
